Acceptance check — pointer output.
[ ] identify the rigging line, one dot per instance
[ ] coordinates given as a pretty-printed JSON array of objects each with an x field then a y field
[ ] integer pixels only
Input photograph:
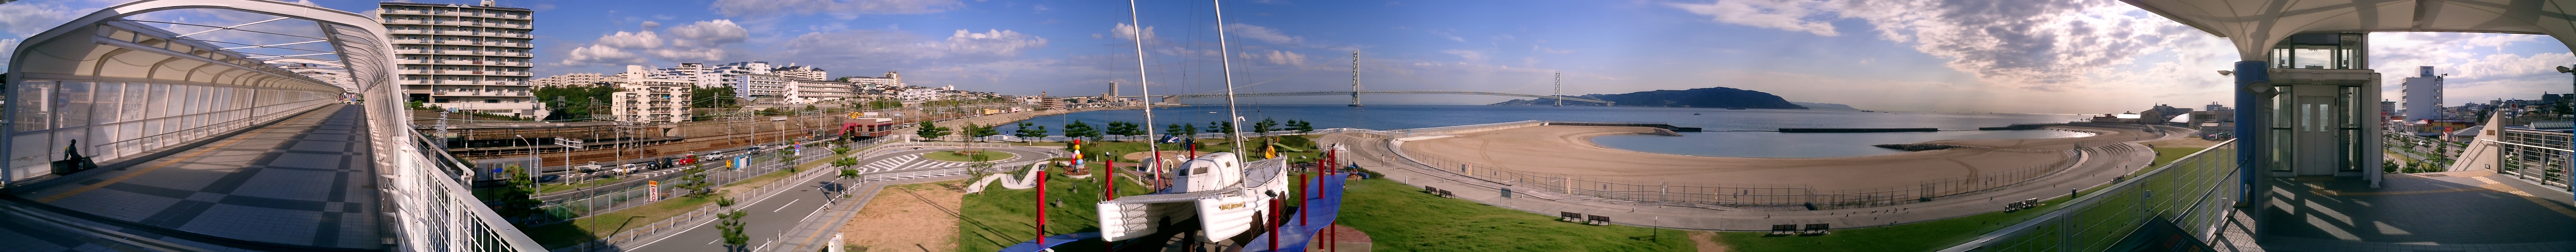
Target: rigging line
[
  {"x": 233, "y": 27},
  {"x": 219, "y": 27}
]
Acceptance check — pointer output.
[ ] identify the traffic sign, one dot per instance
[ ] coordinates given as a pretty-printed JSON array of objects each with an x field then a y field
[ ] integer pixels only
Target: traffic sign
[{"x": 568, "y": 143}]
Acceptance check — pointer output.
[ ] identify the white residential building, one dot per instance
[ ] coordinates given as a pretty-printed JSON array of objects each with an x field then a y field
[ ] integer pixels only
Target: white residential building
[
  {"x": 473, "y": 57},
  {"x": 920, "y": 94},
  {"x": 801, "y": 90},
  {"x": 2423, "y": 95},
  {"x": 646, "y": 99},
  {"x": 889, "y": 82},
  {"x": 807, "y": 72},
  {"x": 572, "y": 80}
]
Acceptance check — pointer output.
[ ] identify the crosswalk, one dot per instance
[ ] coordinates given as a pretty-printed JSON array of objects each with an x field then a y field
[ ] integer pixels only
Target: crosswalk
[{"x": 890, "y": 163}]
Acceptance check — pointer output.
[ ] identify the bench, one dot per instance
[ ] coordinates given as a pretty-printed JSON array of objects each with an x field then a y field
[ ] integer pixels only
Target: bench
[
  {"x": 1568, "y": 216},
  {"x": 1784, "y": 229},
  {"x": 1819, "y": 228},
  {"x": 1598, "y": 220}
]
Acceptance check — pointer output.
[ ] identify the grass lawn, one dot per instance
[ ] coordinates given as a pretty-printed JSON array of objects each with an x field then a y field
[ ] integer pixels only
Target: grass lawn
[
  {"x": 952, "y": 156},
  {"x": 1925, "y": 236},
  {"x": 1398, "y": 217},
  {"x": 2166, "y": 155},
  {"x": 999, "y": 216},
  {"x": 1939, "y": 234},
  {"x": 566, "y": 234}
]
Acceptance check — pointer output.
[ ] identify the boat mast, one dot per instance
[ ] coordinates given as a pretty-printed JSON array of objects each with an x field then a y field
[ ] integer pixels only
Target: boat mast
[
  {"x": 1226, "y": 58},
  {"x": 1152, "y": 145}
]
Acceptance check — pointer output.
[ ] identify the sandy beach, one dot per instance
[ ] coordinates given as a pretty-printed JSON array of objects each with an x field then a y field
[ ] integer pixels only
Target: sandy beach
[{"x": 1569, "y": 150}]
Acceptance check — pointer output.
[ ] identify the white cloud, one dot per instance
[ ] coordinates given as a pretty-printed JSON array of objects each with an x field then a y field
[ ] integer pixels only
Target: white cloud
[
  {"x": 1536, "y": 48},
  {"x": 29, "y": 18},
  {"x": 993, "y": 42},
  {"x": 695, "y": 42},
  {"x": 1789, "y": 15},
  {"x": 603, "y": 55},
  {"x": 843, "y": 9},
  {"x": 650, "y": 25},
  {"x": 1127, "y": 32},
  {"x": 1264, "y": 34},
  {"x": 1466, "y": 56},
  {"x": 709, "y": 33},
  {"x": 2045, "y": 45},
  {"x": 8, "y": 47},
  {"x": 1276, "y": 57}
]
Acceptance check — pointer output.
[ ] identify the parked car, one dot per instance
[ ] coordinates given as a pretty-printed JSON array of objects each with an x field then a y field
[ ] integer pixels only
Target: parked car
[{"x": 549, "y": 178}]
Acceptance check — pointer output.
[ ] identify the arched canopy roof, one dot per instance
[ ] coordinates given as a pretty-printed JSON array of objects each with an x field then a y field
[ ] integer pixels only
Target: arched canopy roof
[
  {"x": 111, "y": 44},
  {"x": 2255, "y": 25}
]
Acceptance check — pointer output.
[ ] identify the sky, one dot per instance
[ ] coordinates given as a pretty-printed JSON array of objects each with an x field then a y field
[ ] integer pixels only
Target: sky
[{"x": 2020, "y": 56}]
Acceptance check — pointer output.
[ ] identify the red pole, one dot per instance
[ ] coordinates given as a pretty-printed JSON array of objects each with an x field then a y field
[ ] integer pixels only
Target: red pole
[
  {"x": 1337, "y": 235},
  {"x": 1305, "y": 200},
  {"x": 1042, "y": 204},
  {"x": 1274, "y": 224},
  {"x": 1112, "y": 176}
]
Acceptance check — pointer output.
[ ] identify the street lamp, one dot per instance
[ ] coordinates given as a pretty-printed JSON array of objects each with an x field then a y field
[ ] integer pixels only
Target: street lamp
[{"x": 532, "y": 154}]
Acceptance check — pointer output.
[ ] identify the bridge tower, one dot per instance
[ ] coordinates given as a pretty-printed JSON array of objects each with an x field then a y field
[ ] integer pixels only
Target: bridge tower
[
  {"x": 1355, "y": 78},
  {"x": 1560, "y": 89}
]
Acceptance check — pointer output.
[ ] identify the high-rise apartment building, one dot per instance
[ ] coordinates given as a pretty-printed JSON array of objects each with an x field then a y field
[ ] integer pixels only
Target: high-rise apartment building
[
  {"x": 471, "y": 57},
  {"x": 2423, "y": 95},
  {"x": 646, "y": 99}
]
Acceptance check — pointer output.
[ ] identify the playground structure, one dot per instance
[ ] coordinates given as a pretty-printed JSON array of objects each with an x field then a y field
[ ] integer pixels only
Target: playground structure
[{"x": 1226, "y": 197}]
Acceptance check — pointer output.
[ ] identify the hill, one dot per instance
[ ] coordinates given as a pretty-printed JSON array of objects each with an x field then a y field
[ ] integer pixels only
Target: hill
[{"x": 1715, "y": 97}]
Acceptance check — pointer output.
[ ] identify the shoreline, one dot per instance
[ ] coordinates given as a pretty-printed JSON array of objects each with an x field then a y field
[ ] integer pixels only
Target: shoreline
[
  {"x": 1586, "y": 139},
  {"x": 1568, "y": 150}
]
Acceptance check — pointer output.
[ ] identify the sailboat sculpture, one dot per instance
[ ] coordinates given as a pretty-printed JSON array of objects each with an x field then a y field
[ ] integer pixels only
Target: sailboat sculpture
[{"x": 1223, "y": 192}]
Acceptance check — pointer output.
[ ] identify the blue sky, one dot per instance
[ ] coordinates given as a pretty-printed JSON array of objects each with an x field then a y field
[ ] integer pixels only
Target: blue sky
[{"x": 2036, "y": 56}]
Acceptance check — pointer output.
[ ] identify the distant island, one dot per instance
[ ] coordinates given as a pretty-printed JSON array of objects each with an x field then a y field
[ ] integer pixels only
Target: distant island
[
  {"x": 1825, "y": 106},
  {"x": 1716, "y": 97}
]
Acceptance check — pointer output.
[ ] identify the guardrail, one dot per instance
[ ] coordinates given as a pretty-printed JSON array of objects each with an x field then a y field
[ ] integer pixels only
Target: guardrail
[
  {"x": 426, "y": 196},
  {"x": 2196, "y": 191},
  {"x": 625, "y": 197}
]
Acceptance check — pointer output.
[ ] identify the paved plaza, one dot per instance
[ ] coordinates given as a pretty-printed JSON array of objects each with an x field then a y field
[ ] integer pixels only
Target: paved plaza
[{"x": 2450, "y": 211}]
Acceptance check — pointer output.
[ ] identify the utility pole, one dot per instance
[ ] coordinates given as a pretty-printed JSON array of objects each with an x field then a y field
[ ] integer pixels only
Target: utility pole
[
  {"x": 1355, "y": 78},
  {"x": 1560, "y": 89}
]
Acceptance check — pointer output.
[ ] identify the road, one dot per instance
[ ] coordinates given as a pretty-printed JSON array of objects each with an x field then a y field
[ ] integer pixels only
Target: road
[{"x": 770, "y": 217}]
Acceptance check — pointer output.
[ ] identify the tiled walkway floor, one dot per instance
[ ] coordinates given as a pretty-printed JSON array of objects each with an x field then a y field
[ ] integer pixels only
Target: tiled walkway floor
[
  {"x": 2463, "y": 211},
  {"x": 305, "y": 181}
]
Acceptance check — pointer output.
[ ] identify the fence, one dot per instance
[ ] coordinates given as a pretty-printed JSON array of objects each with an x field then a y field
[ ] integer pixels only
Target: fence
[
  {"x": 2196, "y": 191},
  {"x": 702, "y": 214},
  {"x": 612, "y": 200},
  {"x": 1751, "y": 195}
]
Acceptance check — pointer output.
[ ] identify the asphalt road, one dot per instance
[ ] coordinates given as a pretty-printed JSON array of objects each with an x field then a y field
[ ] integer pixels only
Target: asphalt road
[{"x": 772, "y": 216}]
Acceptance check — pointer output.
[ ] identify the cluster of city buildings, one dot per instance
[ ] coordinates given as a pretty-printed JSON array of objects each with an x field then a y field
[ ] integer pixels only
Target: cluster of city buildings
[{"x": 476, "y": 58}]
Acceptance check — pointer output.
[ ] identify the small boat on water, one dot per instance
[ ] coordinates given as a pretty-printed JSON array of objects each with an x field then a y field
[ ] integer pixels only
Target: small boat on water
[
  {"x": 1694, "y": 113},
  {"x": 1863, "y": 111}
]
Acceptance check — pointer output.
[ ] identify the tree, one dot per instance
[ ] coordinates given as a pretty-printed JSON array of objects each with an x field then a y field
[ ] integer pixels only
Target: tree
[
  {"x": 846, "y": 172},
  {"x": 840, "y": 150},
  {"x": 1124, "y": 129},
  {"x": 930, "y": 131},
  {"x": 979, "y": 132},
  {"x": 1221, "y": 127},
  {"x": 516, "y": 201},
  {"x": 1264, "y": 125},
  {"x": 573, "y": 101},
  {"x": 1080, "y": 130},
  {"x": 694, "y": 184},
  {"x": 1302, "y": 127},
  {"x": 730, "y": 225},
  {"x": 1030, "y": 130},
  {"x": 713, "y": 97}
]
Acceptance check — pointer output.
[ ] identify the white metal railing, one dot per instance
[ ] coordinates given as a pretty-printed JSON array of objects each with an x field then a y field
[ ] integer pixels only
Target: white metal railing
[{"x": 2197, "y": 196}]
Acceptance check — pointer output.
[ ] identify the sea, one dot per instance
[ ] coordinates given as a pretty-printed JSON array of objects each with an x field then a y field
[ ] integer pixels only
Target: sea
[{"x": 1732, "y": 133}]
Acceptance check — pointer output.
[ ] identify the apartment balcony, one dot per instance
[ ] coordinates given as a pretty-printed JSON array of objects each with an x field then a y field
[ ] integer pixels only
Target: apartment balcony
[
  {"x": 406, "y": 21},
  {"x": 407, "y": 31},
  {"x": 408, "y": 12}
]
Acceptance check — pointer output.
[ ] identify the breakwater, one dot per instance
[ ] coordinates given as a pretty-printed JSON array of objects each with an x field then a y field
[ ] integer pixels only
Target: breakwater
[{"x": 1855, "y": 130}]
